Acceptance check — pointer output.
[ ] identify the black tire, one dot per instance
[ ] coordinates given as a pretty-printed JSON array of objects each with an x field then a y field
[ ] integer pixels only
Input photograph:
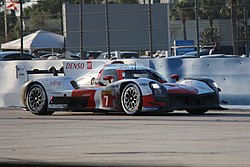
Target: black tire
[
  {"x": 197, "y": 111},
  {"x": 36, "y": 100},
  {"x": 131, "y": 99}
]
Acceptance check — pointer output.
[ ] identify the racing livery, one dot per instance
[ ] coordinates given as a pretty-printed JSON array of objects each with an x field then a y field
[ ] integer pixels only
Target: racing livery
[{"x": 120, "y": 87}]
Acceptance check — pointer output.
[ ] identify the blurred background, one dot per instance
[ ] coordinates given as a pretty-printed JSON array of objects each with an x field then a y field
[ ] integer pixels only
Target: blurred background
[{"x": 149, "y": 27}]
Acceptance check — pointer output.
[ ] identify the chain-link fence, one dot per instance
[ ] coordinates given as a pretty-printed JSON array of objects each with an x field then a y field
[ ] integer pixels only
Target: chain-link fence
[
  {"x": 117, "y": 27},
  {"x": 220, "y": 26}
]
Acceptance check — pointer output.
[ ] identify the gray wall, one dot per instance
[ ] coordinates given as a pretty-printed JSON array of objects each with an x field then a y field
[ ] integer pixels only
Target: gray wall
[
  {"x": 231, "y": 74},
  {"x": 128, "y": 24}
]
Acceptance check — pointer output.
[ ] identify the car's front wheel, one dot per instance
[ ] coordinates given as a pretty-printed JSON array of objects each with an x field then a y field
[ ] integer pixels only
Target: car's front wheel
[
  {"x": 131, "y": 99},
  {"x": 36, "y": 100}
]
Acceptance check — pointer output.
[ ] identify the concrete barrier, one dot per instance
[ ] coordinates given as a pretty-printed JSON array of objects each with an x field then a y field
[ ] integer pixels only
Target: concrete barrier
[
  {"x": 231, "y": 74},
  {"x": 11, "y": 81}
]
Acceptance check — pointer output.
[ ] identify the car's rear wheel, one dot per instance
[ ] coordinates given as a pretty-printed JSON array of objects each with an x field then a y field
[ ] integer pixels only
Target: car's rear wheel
[
  {"x": 131, "y": 99},
  {"x": 197, "y": 111},
  {"x": 36, "y": 100}
]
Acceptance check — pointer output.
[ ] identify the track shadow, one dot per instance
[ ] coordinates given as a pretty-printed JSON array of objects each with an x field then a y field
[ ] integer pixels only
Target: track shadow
[{"x": 213, "y": 113}]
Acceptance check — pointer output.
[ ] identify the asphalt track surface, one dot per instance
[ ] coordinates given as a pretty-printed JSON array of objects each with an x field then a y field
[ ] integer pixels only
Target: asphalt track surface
[{"x": 216, "y": 139}]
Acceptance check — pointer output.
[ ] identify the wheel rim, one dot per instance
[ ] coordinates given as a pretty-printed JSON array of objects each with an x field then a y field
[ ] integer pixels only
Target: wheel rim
[
  {"x": 36, "y": 98},
  {"x": 131, "y": 99}
]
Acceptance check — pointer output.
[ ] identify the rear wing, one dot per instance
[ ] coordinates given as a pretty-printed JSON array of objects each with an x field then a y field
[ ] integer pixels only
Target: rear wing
[
  {"x": 23, "y": 74},
  {"x": 51, "y": 70}
]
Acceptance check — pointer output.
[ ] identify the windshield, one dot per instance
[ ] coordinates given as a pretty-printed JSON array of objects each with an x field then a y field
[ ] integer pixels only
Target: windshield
[{"x": 150, "y": 74}]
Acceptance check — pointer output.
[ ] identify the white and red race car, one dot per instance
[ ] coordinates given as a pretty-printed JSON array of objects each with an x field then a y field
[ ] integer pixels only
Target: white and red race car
[{"x": 120, "y": 87}]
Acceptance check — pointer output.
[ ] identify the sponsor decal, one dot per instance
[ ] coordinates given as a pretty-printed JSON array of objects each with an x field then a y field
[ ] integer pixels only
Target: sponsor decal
[
  {"x": 56, "y": 93},
  {"x": 86, "y": 95},
  {"x": 20, "y": 72},
  {"x": 114, "y": 86},
  {"x": 143, "y": 84},
  {"x": 81, "y": 93},
  {"x": 89, "y": 64},
  {"x": 150, "y": 108},
  {"x": 75, "y": 66},
  {"x": 188, "y": 81},
  {"x": 55, "y": 83},
  {"x": 56, "y": 106},
  {"x": 105, "y": 92}
]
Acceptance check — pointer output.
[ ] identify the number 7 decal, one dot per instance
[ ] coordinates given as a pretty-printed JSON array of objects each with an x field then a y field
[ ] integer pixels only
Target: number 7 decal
[{"x": 106, "y": 100}]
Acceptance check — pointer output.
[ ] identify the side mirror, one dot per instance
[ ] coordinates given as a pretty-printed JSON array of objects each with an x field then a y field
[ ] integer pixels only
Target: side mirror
[
  {"x": 108, "y": 78},
  {"x": 176, "y": 77}
]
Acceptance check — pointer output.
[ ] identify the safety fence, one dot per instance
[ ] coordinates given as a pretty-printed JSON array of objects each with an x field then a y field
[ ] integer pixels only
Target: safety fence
[{"x": 100, "y": 25}]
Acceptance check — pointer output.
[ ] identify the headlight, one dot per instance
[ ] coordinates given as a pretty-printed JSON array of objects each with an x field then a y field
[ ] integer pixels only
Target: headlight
[
  {"x": 155, "y": 86},
  {"x": 157, "y": 89}
]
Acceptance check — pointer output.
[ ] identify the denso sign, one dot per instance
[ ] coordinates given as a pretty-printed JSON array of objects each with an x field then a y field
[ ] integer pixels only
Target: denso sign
[
  {"x": 78, "y": 65},
  {"x": 77, "y": 68},
  {"x": 74, "y": 65}
]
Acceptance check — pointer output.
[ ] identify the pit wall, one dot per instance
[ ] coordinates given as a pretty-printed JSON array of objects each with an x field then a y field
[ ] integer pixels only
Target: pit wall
[
  {"x": 231, "y": 74},
  {"x": 11, "y": 80}
]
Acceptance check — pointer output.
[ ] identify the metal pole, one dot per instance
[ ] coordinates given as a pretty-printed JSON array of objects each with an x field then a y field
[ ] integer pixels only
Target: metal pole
[
  {"x": 5, "y": 23},
  {"x": 235, "y": 26},
  {"x": 81, "y": 31},
  {"x": 63, "y": 6},
  {"x": 21, "y": 26},
  {"x": 197, "y": 27},
  {"x": 107, "y": 28},
  {"x": 169, "y": 29},
  {"x": 150, "y": 28},
  {"x": 246, "y": 27}
]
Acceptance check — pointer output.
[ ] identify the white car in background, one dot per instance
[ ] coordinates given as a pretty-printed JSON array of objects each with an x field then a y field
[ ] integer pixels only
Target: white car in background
[{"x": 118, "y": 55}]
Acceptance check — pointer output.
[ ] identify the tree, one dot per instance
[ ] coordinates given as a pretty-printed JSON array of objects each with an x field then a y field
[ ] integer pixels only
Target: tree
[
  {"x": 210, "y": 9},
  {"x": 12, "y": 22},
  {"x": 234, "y": 10},
  {"x": 183, "y": 10},
  {"x": 2, "y": 39},
  {"x": 210, "y": 36},
  {"x": 46, "y": 13},
  {"x": 48, "y": 7},
  {"x": 128, "y": 1}
]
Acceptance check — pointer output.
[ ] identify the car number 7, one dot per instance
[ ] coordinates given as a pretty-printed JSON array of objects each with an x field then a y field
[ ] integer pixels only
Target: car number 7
[{"x": 106, "y": 98}]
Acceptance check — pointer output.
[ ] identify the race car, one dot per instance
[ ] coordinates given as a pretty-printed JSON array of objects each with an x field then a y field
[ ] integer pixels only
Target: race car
[{"x": 120, "y": 87}]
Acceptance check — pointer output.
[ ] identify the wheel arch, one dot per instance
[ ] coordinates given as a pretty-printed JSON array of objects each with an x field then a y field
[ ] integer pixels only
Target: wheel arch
[
  {"x": 126, "y": 83},
  {"x": 36, "y": 99},
  {"x": 24, "y": 89}
]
